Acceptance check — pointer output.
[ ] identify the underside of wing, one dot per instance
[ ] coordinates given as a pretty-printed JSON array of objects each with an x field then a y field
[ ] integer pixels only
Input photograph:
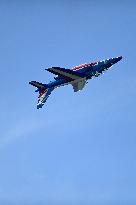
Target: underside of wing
[
  {"x": 79, "y": 85},
  {"x": 65, "y": 73}
]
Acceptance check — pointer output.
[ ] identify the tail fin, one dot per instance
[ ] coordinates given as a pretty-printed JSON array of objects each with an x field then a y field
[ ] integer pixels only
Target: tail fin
[
  {"x": 43, "y": 96},
  {"x": 44, "y": 92}
]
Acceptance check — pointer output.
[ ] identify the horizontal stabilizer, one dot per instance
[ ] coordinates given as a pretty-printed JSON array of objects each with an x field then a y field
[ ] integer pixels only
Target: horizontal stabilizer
[{"x": 38, "y": 85}]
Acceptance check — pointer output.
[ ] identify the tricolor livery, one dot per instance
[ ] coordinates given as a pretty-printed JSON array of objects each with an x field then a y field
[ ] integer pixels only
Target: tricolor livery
[{"x": 76, "y": 76}]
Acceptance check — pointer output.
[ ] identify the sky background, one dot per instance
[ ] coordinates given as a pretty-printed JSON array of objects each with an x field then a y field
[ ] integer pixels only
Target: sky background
[{"x": 80, "y": 148}]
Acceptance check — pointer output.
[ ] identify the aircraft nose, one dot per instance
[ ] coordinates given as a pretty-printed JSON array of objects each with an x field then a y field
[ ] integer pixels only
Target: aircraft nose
[
  {"x": 119, "y": 58},
  {"x": 115, "y": 60}
]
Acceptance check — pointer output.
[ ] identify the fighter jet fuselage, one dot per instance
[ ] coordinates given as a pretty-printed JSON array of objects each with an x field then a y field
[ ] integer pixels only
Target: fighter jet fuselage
[{"x": 76, "y": 76}]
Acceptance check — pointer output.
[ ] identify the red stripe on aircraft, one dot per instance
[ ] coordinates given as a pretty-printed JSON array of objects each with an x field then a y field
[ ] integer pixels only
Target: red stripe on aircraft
[{"x": 83, "y": 65}]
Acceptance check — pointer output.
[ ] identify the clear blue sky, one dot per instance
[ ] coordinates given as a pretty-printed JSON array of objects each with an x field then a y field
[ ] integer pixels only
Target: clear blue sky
[{"x": 80, "y": 149}]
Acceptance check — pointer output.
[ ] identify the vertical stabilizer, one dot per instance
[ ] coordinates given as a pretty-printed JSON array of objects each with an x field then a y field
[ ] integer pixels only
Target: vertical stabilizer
[
  {"x": 44, "y": 92},
  {"x": 43, "y": 96}
]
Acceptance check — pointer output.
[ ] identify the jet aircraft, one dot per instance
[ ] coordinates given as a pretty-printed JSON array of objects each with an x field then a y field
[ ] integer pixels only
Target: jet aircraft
[{"x": 76, "y": 76}]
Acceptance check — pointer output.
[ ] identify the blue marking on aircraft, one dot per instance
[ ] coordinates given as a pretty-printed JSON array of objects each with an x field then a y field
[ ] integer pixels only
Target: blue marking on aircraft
[{"x": 76, "y": 76}]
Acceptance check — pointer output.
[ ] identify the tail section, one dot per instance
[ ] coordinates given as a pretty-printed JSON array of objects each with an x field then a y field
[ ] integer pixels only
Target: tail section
[
  {"x": 38, "y": 85},
  {"x": 44, "y": 92},
  {"x": 43, "y": 96}
]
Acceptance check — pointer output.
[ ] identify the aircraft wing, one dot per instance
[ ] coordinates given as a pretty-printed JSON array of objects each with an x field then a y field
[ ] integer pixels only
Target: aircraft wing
[
  {"x": 79, "y": 85},
  {"x": 65, "y": 73}
]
